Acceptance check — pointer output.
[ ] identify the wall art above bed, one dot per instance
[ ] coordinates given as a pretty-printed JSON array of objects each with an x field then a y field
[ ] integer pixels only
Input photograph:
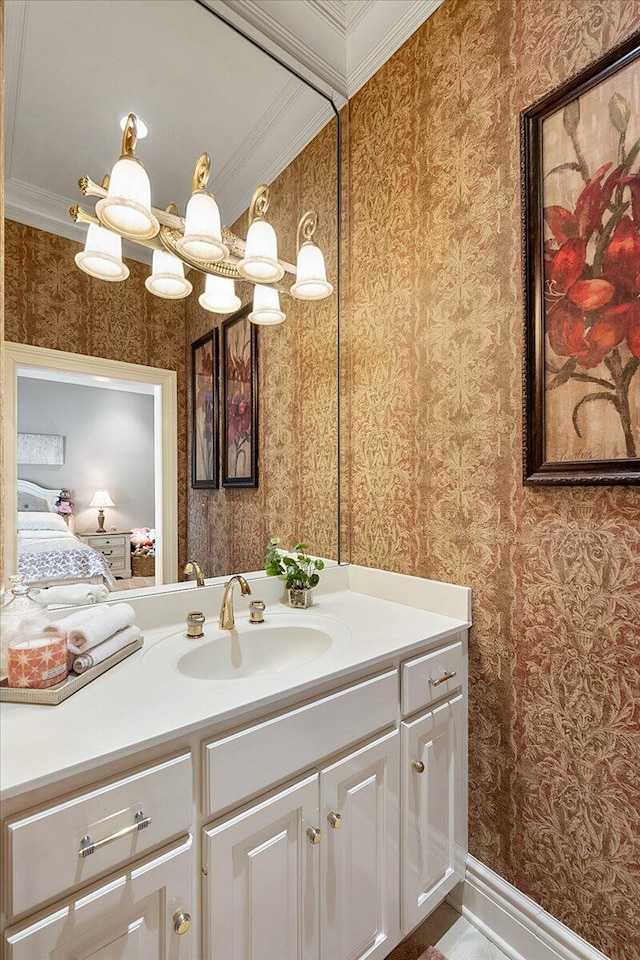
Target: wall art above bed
[
  {"x": 581, "y": 221},
  {"x": 40, "y": 449}
]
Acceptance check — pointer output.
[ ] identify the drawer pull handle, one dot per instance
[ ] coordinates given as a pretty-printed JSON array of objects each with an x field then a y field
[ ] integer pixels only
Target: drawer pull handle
[
  {"x": 335, "y": 820},
  {"x": 181, "y": 922},
  {"x": 87, "y": 846},
  {"x": 315, "y": 835},
  {"x": 447, "y": 675},
  {"x": 107, "y": 553},
  {"x": 418, "y": 766}
]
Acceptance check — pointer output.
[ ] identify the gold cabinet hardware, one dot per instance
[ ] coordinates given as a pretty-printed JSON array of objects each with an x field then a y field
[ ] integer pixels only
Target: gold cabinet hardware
[
  {"x": 315, "y": 835},
  {"x": 181, "y": 922},
  {"x": 447, "y": 675},
  {"x": 418, "y": 766},
  {"x": 88, "y": 846},
  {"x": 335, "y": 820}
]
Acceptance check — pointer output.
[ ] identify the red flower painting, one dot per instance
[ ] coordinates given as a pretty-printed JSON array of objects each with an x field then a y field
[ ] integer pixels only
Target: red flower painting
[
  {"x": 240, "y": 397},
  {"x": 592, "y": 278}
]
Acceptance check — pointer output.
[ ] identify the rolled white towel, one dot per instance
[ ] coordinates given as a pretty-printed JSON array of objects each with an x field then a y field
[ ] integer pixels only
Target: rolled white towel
[
  {"x": 96, "y": 625},
  {"x": 122, "y": 638},
  {"x": 74, "y": 594}
]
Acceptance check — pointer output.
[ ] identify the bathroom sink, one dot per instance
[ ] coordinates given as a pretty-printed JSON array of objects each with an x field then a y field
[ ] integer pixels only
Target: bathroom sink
[{"x": 283, "y": 641}]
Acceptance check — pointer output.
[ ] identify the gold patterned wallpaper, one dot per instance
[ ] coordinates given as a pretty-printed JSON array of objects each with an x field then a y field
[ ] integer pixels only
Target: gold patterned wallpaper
[
  {"x": 48, "y": 302},
  {"x": 297, "y": 389},
  {"x": 436, "y": 332}
]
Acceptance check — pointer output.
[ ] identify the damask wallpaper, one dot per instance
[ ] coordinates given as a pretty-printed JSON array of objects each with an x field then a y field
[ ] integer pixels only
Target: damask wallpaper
[
  {"x": 48, "y": 302},
  {"x": 297, "y": 388},
  {"x": 437, "y": 321}
]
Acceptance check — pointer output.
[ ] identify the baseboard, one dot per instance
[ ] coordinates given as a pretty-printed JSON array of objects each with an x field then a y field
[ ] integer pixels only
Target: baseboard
[{"x": 514, "y": 922}]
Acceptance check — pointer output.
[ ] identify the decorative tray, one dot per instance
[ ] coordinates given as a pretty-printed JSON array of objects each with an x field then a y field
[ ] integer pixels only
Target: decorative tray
[{"x": 55, "y": 695}]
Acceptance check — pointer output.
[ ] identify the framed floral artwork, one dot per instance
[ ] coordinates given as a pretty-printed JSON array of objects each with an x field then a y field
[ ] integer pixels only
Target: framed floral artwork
[
  {"x": 205, "y": 417},
  {"x": 581, "y": 223},
  {"x": 240, "y": 401}
]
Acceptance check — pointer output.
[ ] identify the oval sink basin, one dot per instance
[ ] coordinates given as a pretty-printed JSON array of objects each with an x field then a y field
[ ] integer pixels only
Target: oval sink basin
[
  {"x": 265, "y": 650},
  {"x": 282, "y": 642}
]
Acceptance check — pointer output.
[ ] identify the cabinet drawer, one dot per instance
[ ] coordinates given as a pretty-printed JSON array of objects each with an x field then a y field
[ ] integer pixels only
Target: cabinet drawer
[
  {"x": 117, "y": 540},
  {"x": 44, "y": 846},
  {"x": 115, "y": 553},
  {"x": 247, "y": 762},
  {"x": 423, "y": 679}
]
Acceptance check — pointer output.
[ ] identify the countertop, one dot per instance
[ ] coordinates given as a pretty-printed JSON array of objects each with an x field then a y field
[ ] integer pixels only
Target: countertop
[{"x": 145, "y": 700}]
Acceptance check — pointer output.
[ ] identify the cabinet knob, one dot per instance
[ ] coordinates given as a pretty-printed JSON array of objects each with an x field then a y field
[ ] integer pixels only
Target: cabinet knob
[
  {"x": 335, "y": 820},
  {"x": 181, "y": 922},
  {"x": 418, "y": 766},
  {"x": 315, "y": 835}
]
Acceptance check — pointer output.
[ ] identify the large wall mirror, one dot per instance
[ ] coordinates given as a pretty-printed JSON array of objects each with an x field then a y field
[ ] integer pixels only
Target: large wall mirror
[{"x": 74, "y": 71}]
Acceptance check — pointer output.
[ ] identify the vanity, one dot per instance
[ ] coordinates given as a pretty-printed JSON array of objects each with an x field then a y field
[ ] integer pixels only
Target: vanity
[{"x": 309, "y": 803}]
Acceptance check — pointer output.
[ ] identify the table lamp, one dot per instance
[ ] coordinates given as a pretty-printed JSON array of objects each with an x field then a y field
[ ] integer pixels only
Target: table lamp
[{"x": 101, "y": 500}]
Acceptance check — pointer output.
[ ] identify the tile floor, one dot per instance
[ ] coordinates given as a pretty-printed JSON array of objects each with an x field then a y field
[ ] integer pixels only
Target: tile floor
[{"x": 456, "y": 937}]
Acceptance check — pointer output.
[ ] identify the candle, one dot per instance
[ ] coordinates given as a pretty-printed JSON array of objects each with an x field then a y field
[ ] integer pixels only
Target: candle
[{"x": 37, "y": 661}]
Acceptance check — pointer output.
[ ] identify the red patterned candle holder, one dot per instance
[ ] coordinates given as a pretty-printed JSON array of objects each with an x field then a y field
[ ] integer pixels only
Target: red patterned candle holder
[{"x": 38, "y": 661}]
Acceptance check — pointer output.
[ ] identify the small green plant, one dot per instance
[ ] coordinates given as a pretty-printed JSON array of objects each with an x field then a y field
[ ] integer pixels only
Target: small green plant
[{"x": 299, "y": 571}]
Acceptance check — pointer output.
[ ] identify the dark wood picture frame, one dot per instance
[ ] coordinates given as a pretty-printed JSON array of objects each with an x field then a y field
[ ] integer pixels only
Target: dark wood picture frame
[
  {"x": 239, "y": 383},
  {"x": 205, "y": 413},
  {"x": 536, "y": 469}
]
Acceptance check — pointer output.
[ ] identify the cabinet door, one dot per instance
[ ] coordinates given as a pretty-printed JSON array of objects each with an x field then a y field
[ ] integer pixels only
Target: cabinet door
[
  {"x": 131, "y": 916},
  {"x": 359, "y": 885},
  {"x": 433, "y": 828},
  {"x": 261, "y": 897}
]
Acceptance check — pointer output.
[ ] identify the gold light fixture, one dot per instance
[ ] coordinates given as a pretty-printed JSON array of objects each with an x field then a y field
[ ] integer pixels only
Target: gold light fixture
[{"x": 196, "y": 242}]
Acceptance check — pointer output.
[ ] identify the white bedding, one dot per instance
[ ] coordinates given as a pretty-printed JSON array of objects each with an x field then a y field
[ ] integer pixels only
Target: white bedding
[{"x": 51, "y": 556}]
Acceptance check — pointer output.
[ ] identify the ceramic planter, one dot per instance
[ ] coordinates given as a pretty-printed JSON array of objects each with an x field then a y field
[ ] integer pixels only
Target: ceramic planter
[{"x": 300, "y": 598}]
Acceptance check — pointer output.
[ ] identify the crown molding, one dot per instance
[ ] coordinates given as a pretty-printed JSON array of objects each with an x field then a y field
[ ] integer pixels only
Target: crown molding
[
  {"x": 390, "y": 40},
  {"x": 333, "y": 12},
  {"x": 354, "y": 11}
]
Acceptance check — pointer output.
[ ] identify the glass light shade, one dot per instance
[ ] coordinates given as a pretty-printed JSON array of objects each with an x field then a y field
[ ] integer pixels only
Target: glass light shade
[
  {"x": 167, "y": 278},
  {"x": 127, "y": 206},
  {"x": 102, "y": 255},
  {"x": 219, "y": 295},
  {"x": 102, "y": 499},
  {"x": 260, "y": 261},
  {"x": 202, "y": 238},
  {"x": 266, "y": 306},
  {"x": 311, "y": 280}
]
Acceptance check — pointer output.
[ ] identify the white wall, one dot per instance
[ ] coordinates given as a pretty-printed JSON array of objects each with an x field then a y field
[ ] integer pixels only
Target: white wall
[{"x": 108, "y": 445}]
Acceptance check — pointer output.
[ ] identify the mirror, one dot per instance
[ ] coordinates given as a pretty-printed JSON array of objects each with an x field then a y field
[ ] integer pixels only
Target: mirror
[{"x": 73, "y": 70}]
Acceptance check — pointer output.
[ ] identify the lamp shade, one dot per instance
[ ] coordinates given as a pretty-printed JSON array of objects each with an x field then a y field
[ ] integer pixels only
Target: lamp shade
[
  {"x": 102, "y": 499},
  {"x": 202, "y": 238},
  {"x": 102, "y": 255},
  {"x": 311, "y": 281},
  {"x": 266, "y": 306},
  {"x": 260, "y": 261},
  {"x": 219, "y": 295},
  {"x": 127, "y": 206},
  {"x": 167, "y": 278}
]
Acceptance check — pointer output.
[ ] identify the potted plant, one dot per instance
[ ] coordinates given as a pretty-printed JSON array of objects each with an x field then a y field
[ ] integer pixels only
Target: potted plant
[{"x": 298, "y": 570}]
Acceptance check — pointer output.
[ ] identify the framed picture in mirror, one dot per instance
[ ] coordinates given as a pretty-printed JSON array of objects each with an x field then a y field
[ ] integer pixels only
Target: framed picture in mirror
[
  {"x": 204, "y": 413},
  {"x": 240, "y": 401},
  {"x": 581, "y": 232}
]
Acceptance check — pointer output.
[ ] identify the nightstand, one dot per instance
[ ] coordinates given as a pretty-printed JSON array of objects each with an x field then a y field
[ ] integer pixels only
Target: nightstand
[{"x": 115, "y": 548}]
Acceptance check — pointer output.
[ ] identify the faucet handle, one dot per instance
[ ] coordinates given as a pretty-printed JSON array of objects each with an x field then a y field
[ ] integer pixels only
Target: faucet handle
[
  {"x": 256, "y": 611},
  {"x": 195, "y": 623}
]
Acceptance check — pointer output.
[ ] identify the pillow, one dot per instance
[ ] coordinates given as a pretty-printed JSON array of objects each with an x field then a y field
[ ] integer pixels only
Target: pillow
[{"x": 37, "y": 520}]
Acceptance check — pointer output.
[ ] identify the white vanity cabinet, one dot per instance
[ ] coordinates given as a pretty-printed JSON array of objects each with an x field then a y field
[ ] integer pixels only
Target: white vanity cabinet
[
  {"x": 434, "y": 782},
  {"x": 310, "y": 872}
]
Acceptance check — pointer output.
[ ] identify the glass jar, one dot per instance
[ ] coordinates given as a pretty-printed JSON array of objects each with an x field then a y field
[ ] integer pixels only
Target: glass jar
[{"x": 20, "y": 617}]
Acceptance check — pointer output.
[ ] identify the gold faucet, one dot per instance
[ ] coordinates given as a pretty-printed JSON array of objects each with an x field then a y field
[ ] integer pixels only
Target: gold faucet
[
  {"x": 227, "y": 619},
  {"x": 192, "y": 567}
]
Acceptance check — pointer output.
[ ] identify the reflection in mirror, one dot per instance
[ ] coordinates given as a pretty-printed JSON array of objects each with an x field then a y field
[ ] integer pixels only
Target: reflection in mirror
[{"x": 66, "y": 99}]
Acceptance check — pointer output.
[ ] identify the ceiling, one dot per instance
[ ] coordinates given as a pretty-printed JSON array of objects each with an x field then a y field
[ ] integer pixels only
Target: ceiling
[{"x": 73, "y": 68}]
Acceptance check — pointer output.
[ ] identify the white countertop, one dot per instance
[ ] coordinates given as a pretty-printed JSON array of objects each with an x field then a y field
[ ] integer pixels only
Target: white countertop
[{"x": 140, "y": 703}]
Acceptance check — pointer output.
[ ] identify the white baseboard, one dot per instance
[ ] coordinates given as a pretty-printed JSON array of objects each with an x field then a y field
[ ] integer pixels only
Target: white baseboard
[{"x": 514, "y": 922}]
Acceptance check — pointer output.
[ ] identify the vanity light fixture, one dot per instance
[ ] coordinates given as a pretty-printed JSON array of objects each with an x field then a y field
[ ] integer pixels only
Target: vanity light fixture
[
  {"x": 219, "y": 295},
  {"x": 260, "y": 262},
  {"x": 141, "y": 126},
  {"x": 266, "y": 306},
  {"x": 102, "y": 255},
  {"x": 198, "y": 241},
  {"x": 127, "y": 207},
  {"x": 311, "y": 281}
]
